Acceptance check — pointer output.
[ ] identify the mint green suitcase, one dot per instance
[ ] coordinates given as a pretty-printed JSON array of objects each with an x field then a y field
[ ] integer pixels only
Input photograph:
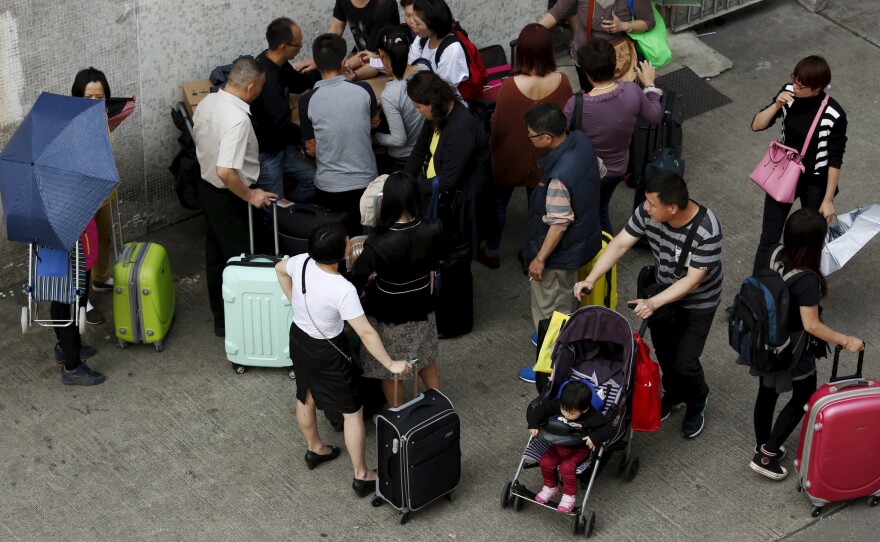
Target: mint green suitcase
[
  {"x": 258, "y": 315},
  {"x": 143, "y": 295}
]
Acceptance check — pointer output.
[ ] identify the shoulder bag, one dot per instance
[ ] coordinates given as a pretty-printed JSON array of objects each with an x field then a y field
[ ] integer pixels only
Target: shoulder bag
[
  {"x": 779, "y": 170},
  {"x": 648, "y": 286},
  {"x": 654, "y": 43}
]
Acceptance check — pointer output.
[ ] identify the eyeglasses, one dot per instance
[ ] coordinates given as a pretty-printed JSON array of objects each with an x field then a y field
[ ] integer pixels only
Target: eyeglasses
[
  {"x": 796, "y": 83},
  {"x": 537, "y": 135},
  {"x": 297, "y": 45}
]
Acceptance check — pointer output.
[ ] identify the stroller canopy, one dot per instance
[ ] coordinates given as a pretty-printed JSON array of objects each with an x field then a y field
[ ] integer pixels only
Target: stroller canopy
[{"x": 596, "y": 342}]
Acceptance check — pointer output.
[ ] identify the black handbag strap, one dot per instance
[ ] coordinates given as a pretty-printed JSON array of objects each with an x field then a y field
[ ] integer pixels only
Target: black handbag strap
[
  {"x": 686, "y": 249},
  {"x": 578, "y": 112},
  {"x": 306, "y": 302}
]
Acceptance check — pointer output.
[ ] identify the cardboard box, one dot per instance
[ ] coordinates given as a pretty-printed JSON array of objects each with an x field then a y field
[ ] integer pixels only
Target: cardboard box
[{"x": 193, "y": 93}]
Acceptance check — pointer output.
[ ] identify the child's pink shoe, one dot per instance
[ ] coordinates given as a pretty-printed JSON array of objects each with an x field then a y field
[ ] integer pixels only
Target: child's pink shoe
[
  {"x": 546, "y": 494},
  {"x": 567, "y": 503}
]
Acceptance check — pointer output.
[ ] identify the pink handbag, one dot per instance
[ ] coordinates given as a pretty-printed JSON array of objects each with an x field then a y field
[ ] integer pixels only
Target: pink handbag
[{"x": 779, "y": 170}]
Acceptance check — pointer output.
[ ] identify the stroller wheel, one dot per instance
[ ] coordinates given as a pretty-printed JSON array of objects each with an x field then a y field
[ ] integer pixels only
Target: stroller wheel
[
  {"x": 576, "y": 524},
  {"x": 589, "y": 523},
  {"x": 517, "y": 503},
  {"x": 632, "y": 468},
  {"x": 505, "y": 495},
  {"x": 25, "y": 319}
]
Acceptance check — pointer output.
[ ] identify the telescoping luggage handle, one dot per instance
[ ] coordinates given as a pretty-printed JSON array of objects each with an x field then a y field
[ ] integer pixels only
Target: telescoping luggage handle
[
  {"x": 274, "y": 203},
  {"x": 856, "y": 379},
  {"x": 415, "y": 377}
]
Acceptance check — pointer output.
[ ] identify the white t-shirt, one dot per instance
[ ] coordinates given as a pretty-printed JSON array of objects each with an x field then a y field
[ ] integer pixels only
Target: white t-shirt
[
  {"x": 453, "y": 66},
  {"x": 332, "y": 299}
]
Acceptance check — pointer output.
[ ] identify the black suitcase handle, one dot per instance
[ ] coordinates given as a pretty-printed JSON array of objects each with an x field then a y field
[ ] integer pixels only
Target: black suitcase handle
[
  {"x": 834, "y": 377},
  {"x": 274, "y": 203}
]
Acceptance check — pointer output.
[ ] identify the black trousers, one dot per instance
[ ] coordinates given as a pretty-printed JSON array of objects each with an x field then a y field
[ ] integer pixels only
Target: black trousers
[
  {"x": 773, "y": 435},
  {"x": 349, "y": 202},
  {"x": 678, "y": 344},
  {"x": 775, "y": 215},
  {"x": 227, "y": 237},
  {"x": 68, "y": 337}
]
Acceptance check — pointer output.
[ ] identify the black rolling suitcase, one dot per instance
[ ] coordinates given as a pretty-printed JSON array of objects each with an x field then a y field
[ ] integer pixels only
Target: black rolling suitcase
[
  {"x": 650, "y": 140},
  {"x": 419, "y": 453},
  {"x": 296, "y": 222}
]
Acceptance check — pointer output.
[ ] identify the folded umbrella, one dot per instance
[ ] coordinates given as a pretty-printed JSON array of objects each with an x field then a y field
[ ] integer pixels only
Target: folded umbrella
[
  {"x": 848, "y": 235},
  {"x": 56, "y": 171}
]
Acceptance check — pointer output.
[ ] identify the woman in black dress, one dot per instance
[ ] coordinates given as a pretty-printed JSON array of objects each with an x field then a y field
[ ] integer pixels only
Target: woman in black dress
[{"x": 398, "y": 302}]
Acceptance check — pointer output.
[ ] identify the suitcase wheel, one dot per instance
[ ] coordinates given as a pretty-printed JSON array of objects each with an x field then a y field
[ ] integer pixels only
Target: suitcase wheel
[
  {"x": 239, "y": 369},
  {"x": 291, "y": 374},
  {"x": 874, "y": 501},
  {"x": 122, "y": 344},
  {"x": 403, "y": 517},
  {"x": 160, "y": 346},
  {"x": 377, "y": 501},
  {"x": 450, "y": 496},
  {"x": 815, "y": 511}
]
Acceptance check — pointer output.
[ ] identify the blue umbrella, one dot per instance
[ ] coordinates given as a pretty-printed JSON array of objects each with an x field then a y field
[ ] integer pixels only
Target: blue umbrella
[{"x": 56, "y": 171}]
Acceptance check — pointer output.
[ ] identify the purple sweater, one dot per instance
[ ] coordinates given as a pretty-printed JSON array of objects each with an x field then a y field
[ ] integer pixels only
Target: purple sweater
[{"x": 610, "y": 119}]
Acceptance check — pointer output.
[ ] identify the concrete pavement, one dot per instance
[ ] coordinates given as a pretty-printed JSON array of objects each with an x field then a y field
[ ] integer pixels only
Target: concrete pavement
[{"x": 175, "y": 446}]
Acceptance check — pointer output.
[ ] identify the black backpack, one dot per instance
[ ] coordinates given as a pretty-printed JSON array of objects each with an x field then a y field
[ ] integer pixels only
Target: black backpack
[
  {"x": 185, "y": 166},
  {"x": 758, "y": 326}
]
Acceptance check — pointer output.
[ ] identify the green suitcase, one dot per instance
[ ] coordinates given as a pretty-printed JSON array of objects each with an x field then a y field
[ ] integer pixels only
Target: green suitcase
[{"x": 143, "y": 295}]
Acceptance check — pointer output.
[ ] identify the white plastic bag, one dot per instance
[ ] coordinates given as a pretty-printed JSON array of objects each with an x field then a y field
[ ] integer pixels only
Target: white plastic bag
[{"x": 848, "y": 235}]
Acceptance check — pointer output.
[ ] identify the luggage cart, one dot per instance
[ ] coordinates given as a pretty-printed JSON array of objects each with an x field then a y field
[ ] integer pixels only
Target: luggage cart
[{"x": 54, "y": 275}]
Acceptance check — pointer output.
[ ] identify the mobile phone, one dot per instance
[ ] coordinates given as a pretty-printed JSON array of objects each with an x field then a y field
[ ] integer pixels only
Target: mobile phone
[
  {"x": 377, "y": 64},
  {"x": 284, "y": 203},
  {"x": 413, "y": 361}
]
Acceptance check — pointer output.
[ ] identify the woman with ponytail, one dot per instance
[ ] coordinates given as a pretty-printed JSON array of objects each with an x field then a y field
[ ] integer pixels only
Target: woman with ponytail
[{"x": 404, "y": 121}]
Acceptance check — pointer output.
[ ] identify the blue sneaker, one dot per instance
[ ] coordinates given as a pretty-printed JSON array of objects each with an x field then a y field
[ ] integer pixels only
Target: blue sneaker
[
  {"x": 693, "y": 423},
  {"x": 535, "y": 338},
  {"x": 527, "y": 374},
  {"x": 85, "y": 352},
  {"x": 81, "y": 376}
]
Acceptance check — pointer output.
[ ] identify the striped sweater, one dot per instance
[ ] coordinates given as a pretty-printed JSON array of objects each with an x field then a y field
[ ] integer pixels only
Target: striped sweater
[
  {"x": 829, "y": 140},
  {"x": 666, "y": 245}
]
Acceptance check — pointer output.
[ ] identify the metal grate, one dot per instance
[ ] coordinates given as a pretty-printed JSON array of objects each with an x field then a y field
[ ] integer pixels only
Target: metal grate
[{"x": 697, "y": 96}]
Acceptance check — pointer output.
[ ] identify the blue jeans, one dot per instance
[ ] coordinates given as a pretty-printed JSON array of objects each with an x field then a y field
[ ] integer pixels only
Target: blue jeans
[
  {"x": 275, "y": 166},
  {"x": 606, "y": 190},
  {"x": 502, "y": 200}
]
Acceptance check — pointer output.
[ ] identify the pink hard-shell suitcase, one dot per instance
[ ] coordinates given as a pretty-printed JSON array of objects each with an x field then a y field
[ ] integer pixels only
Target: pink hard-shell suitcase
[{"x": 837, "y": 456}]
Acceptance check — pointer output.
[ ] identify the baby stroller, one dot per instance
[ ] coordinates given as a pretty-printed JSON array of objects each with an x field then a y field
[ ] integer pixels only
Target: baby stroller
[
  {"x": 54, "y": 275},
  {"x": 596, "y": 345}
]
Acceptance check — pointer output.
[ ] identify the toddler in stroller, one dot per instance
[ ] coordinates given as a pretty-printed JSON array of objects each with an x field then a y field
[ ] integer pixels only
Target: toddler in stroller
[
  {"x": 573, "y": 425},
  {"x": 594, "y": 351}
]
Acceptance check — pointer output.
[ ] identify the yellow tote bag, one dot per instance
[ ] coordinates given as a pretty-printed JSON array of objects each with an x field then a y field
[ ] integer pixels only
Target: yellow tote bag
[{"x": 545, "y": 361}]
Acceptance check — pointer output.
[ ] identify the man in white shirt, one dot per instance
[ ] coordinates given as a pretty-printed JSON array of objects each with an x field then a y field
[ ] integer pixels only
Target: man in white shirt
[{"x": 228, "y": 155}]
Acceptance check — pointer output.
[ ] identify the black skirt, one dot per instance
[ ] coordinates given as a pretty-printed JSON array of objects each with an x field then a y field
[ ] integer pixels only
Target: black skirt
[{"x": 321, "y": 369}]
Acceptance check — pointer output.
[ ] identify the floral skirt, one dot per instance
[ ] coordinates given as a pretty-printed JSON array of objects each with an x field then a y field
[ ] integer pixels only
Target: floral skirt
[{"x": 410, "y": 340}]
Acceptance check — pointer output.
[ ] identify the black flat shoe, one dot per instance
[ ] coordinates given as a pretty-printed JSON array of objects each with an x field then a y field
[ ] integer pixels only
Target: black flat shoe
[
  {"x": 362, "y": 488},
  {"x": 313, "y": 459}
]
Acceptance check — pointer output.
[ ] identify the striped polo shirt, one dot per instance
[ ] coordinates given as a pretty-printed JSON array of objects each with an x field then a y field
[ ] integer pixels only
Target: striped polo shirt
[{"x": 667, "y": 243}]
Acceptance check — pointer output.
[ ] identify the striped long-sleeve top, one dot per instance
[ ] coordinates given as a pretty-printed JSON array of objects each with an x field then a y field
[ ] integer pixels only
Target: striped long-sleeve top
[
  {"x": 667, "y": 243},
  {"x": 829, "y": 140}
]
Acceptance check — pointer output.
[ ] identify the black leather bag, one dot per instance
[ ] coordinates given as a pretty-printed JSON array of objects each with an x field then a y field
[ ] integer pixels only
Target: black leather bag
[
  {"x": 295, "y": 224},
  {"x": 647, "y": 285}
]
